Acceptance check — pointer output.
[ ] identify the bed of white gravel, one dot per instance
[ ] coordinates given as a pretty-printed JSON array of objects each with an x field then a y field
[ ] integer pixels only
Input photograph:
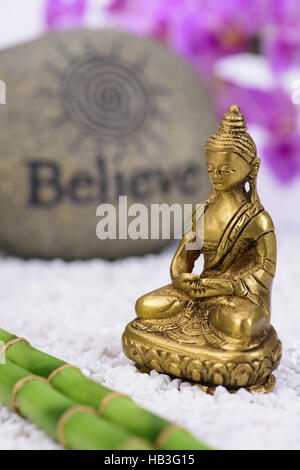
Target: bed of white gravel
[{"x": 77, "y": 311}]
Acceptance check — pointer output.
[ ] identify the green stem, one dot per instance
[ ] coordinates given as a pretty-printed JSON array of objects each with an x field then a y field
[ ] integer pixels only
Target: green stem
[
  {"x": 41, "y": 403},
  {"x": 72, "y": 383}
]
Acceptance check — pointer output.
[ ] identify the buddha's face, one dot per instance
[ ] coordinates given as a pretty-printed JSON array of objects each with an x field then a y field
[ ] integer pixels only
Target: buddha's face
[{"x": 226, "y": 169}]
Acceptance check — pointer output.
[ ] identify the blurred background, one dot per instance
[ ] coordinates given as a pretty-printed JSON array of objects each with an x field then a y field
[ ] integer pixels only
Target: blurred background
[{"x": 246, "y": 51}]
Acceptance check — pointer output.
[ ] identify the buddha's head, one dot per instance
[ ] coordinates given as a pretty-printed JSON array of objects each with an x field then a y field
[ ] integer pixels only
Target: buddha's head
[{"x": 231, "y": 154}]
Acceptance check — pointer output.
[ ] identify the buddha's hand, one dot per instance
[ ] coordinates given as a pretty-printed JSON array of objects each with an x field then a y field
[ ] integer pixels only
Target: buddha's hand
[
  {"x": 186, "y": 281},
  {"x": 199, "y": 288}
]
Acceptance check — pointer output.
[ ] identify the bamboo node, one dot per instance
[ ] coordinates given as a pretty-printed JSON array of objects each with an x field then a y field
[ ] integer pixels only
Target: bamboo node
[
  {"x": 108, "y": 398},
  {"x": 11, "y": 342},
  {"x": 60, "y": 430},
  {"x": 59, "y": 369},
  {"x": 17, "y": 388},
  {"x": 133, "y": 442},
  {"x": 165, "y": 433}
]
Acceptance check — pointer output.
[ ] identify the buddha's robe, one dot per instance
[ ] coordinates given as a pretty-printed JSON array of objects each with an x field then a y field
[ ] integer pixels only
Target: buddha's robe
[{"x": 246, "y": 256}]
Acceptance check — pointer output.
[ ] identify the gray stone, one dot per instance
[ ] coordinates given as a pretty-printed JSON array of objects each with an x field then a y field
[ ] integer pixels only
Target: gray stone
[{"x": 89, "y": 116}]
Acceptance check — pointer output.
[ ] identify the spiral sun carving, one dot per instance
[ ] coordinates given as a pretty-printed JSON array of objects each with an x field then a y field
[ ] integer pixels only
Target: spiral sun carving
[{"x": 105, "y": 97}]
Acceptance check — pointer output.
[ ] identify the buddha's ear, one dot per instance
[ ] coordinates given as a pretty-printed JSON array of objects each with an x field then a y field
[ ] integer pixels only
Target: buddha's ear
[
  {"x": 254, "y": 167},
  {"x": 252, "y": 180}
]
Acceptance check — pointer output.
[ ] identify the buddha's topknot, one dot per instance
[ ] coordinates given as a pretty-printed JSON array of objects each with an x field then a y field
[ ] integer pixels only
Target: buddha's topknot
[{"x": 232, "y": 134}]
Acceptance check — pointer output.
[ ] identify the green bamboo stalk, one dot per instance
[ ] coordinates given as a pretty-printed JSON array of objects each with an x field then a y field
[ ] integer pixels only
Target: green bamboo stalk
[
  {"x": 41, "y": 403},
  {"x": 120, "y": 410}
]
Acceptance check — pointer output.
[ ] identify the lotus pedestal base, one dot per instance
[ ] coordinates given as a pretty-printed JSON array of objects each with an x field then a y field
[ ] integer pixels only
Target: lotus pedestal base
[{"x": 205, "y": 365}]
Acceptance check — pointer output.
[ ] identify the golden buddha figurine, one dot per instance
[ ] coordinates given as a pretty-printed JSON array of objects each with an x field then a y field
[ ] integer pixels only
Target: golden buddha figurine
[{"x": 214, "y": 328}]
